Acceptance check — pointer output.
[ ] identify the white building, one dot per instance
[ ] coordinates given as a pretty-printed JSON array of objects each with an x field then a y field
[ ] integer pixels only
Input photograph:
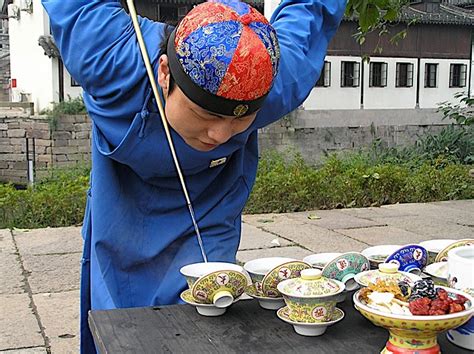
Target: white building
[
  {"x": 35, "y": 77},
  {"x": 429, "y": 66}
]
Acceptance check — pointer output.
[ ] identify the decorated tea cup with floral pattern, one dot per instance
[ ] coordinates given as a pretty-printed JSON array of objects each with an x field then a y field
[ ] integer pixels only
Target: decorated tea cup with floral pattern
[
  {"x": 216, "y": 283},
  {"x": 258, "y": 268},
  {"x": 311, "y": 298}
]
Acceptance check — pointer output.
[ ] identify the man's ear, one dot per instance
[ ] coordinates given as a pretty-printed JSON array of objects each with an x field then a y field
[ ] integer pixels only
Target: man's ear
[{"x": 164, "y": 74}]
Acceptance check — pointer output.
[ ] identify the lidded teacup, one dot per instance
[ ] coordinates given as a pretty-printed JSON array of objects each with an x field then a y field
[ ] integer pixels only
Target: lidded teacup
[
  {"x": 386, "y": 272},
  {"x": 311, "y": 298}
]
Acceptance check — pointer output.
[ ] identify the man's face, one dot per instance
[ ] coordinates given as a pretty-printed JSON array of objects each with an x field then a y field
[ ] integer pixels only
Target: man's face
[{"x": 199, "y": 128}]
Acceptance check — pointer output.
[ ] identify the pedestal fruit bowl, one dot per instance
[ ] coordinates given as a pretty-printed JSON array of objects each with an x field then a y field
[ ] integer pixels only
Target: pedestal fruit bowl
[
  {"x": 410, "y": 334},
  {"x": 311, "y": 302}
]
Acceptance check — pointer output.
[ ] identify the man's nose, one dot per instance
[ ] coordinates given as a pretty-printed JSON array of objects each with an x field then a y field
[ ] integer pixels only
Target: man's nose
[{"x": 221, "y": 131}]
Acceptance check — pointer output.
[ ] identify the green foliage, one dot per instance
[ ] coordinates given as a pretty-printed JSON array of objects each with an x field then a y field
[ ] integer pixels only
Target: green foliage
[
  {"x": 70, "y": 107},
  {"x": 377, "y": 16},
  {"x": 453, "y": 144},
  {"x": 462, "y": 112},
  {"x": 354, "y": 180},
  {"x": 435, "y": 168},
  {"x": 56, "y": 201}
]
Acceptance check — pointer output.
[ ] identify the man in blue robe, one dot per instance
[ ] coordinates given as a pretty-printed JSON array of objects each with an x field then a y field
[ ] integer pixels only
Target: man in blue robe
[{"x": 137, "y": 229}]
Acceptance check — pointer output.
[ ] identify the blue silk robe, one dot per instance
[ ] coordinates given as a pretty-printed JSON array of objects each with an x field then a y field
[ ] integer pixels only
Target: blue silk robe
[{"x": 137, "y": 230}]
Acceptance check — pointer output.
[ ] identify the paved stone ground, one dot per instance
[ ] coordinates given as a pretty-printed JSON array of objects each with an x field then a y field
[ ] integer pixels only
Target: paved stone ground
[{"x": 39, "y": 269}]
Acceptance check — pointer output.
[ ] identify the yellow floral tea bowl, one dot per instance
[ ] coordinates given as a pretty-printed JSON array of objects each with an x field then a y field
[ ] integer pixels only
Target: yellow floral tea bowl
[
  {"x": 259, "y": 268},
  {"x": 288, "y": 270},
  {"x": 410, "y": 333},
  {"x": 311, "y": 298},
  {"x": 215, "y": 282}
]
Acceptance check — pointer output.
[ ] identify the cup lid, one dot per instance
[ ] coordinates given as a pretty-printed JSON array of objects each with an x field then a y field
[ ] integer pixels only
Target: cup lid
[
  {"x": 388, "y": 268},
  {"x": 386, "y": 272},
  {"x": 310, "y": 284}
]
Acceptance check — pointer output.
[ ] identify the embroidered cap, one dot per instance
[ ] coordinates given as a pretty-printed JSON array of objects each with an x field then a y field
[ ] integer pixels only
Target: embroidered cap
[{"x": 224, "y": 56}]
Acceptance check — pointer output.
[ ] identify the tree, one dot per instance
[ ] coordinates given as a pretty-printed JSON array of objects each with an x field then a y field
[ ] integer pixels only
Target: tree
[{"x": 377, "y": 15}]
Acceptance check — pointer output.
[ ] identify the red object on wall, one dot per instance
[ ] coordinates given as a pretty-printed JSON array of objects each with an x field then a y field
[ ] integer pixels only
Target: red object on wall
[{"x": 13, "y": 83}]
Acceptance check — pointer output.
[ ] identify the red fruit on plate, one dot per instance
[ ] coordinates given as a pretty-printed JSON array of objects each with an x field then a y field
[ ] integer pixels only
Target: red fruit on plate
[{"x": 420, "y": 306}]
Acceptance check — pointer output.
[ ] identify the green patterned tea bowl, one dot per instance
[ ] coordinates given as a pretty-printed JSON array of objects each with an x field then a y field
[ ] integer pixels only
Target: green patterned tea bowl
[
  {"x": 311, "y": 298},
  {"x": 216, "y": 283}
]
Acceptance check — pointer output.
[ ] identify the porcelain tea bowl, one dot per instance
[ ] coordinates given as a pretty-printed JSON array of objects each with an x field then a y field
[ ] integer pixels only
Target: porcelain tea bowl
[
  {"x": 386, "y": 272},
  {"x": 434, "y": 247},
  {"x": 378, "y": 254},
  {"x": 258, "y": 268},
  {"x": 215, "y": 283},
  {"x": 345, "y": 267},
  {"x": 411, "y": 334},
  {"x": 410, "y": 258},
  {"x": 208, "y": 310},
  {"x": 319, "y": 260},
  {"x": 288, "y": 270},
  {"x": 312, "y": 297}
]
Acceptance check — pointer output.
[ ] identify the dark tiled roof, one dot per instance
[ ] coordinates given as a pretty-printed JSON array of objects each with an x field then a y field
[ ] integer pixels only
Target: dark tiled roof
[{"x": 447, "y": 15}]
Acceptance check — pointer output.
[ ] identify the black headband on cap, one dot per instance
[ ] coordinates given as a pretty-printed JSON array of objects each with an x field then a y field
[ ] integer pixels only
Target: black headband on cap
[{"x": 205, "y": 99}]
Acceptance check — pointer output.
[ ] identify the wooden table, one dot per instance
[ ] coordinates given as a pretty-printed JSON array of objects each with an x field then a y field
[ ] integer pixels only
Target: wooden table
[{"x": 244, "y": 328}]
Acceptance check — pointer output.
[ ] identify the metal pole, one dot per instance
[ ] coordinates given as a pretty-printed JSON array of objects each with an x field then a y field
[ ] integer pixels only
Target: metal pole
[
  {"x": 30, "y": 161},
  {"x": 151, "y": 76}
]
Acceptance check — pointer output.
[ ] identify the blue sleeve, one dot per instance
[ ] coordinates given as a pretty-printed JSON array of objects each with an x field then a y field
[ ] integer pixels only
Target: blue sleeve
[
  {"x": 98, "y": 46},
  {"x": 304, "y": 29}
]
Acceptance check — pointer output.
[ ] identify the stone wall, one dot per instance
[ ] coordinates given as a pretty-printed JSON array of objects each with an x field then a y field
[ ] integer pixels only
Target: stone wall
[
  {"x": 312, "y": 133},
  {"x": 65, "y": 144}
]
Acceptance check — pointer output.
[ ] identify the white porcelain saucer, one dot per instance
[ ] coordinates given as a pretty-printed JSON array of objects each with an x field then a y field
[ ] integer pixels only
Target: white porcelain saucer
[
  {"x": 310, "y": 329},
  {"x": 203, "y": 309},
  {"x": 267, "y": 303}
]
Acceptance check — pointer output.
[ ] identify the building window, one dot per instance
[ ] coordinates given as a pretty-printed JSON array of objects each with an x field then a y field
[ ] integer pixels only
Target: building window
[
  {"x": 74, "y": 83},
  {"x": 404, "y": 76},
  {"x": 430, "y": 75},
  {"x": 378, "y": 74},
  {"x": 457, "y": 75},
  {"x": 350, "y": 74},
  {"x": 325, "y": 77}
]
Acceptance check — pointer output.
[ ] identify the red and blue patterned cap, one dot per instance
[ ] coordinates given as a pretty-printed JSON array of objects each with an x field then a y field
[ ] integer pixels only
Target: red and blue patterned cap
[{"x": 224, "y": 56}]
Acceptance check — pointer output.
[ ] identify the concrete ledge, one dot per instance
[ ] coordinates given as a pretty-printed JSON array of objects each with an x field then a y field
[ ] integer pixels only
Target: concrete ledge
[
  {"x": 366, "y": 117},
  {"x": 28, "y": 107}
]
